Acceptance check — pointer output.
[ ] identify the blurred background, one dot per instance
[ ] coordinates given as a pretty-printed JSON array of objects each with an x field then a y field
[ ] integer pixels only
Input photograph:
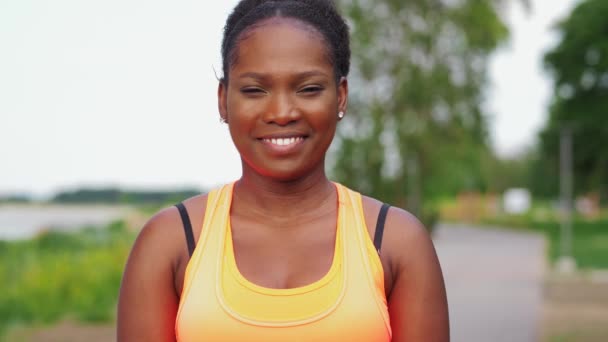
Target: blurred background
[{"x": 485, "y": 118}]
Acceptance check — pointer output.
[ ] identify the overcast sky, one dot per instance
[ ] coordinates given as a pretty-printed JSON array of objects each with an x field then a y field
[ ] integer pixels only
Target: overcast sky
[
  {"x": 521, "y": 90},
  {"x": 123, "y": 92}
]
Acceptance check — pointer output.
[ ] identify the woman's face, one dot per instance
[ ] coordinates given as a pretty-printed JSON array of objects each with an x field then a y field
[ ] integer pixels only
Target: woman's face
[{"x": 281, "y": 101}]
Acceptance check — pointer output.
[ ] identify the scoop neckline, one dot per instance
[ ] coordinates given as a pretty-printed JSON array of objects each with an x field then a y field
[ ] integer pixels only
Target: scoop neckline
[{"x": 325, "y": 279}]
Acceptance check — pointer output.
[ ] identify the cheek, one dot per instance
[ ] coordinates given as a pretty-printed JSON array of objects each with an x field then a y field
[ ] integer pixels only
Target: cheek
[
  {"x": 322, "y": 114},
  {"x": 239, "y": 130},
  {"x": 241, "y": 114}
]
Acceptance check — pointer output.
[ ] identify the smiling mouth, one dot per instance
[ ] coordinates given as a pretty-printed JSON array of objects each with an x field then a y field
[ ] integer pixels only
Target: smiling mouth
[{"x": 283, "y": 141}]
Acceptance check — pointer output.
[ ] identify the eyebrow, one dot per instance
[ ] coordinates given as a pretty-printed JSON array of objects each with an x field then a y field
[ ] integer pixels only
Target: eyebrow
[{"x": 299, "y": 76}]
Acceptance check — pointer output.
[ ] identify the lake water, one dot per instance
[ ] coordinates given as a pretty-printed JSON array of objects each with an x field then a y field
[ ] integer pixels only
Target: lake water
[{"x": 26, "y": 221}]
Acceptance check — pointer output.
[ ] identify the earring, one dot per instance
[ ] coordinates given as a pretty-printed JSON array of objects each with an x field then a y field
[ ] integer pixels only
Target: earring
[
  {"x": 340, "y": 115},
  {"x": 223, "y": 119}
]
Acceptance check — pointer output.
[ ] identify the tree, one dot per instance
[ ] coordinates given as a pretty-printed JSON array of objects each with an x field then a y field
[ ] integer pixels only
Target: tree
[
  {"x": 579, "y": 66},
  {"x": 416, "y": 128}
]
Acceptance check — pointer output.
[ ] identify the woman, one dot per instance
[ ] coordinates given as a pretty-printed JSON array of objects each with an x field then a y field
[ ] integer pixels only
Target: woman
[{"x": 283, "y": 254}]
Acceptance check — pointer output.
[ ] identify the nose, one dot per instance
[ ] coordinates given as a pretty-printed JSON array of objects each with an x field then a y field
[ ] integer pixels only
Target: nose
[{"x": 281, "y": 110}]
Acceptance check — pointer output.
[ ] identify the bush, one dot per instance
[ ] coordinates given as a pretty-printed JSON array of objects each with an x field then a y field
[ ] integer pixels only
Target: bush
[{"x": 63, "y": 274}]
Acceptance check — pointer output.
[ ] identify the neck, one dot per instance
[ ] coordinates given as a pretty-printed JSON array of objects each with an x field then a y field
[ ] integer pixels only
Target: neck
[{"x": 257, "y": 195}]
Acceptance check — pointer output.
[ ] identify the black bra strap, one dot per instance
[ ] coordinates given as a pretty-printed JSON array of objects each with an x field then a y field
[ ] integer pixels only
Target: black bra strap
[
  {"x": 380, "y": 226},
  {"x": 187, "y": 227}
]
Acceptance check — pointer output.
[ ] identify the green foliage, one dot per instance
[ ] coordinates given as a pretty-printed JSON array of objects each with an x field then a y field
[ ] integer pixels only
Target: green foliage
[
  {"x": 499, "y": 175},
  {"x": 415, "y": 128},
  {"x": 63, "y": 274},
  {"x": 117, "y": 196},
  {"x": 15, "y": 199},
  {"x": 579, "y": 65}
]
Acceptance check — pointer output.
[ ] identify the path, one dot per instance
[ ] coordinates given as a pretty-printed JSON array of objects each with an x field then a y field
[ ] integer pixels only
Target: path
[{"x": 494, "y": 283}]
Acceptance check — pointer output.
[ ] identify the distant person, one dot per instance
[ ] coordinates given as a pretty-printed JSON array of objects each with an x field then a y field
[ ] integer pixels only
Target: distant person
[{"x": 283, "y": 253}]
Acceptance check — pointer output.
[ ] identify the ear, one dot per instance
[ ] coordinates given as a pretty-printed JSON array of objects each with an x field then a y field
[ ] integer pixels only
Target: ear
[
  {"x": 342, "y": 94},
  {"x": 222, "y": 98}
]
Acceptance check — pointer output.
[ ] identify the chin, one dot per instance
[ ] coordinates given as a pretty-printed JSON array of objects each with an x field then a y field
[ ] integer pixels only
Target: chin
[{"x": 285, "y": 173}]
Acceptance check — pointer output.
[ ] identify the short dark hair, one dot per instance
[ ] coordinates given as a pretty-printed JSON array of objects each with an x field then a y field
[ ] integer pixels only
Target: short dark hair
[{"x": 320, "y": 14}]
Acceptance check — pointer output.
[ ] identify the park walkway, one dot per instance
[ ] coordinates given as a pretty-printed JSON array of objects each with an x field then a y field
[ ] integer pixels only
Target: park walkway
[{"x": 494, "y": 282}]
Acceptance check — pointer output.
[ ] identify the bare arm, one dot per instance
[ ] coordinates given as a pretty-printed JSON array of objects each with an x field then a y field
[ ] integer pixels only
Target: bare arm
[
  {"x": 148, "y": 300},
  {"x": 417, "y": 301}
]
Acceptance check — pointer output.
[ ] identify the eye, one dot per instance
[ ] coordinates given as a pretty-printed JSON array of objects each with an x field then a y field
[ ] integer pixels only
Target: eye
[
  {"x": 311, "y": 89},
  {"x": 252, "y": 90}
]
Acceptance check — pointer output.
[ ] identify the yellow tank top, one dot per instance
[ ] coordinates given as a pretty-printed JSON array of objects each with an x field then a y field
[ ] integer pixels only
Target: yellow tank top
[{"x": 346, "y": 304}]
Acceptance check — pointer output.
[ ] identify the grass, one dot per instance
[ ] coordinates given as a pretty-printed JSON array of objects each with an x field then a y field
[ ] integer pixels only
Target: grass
[
  {"x": 589, "y": 238},
  {"x": 63, "y": 275}
]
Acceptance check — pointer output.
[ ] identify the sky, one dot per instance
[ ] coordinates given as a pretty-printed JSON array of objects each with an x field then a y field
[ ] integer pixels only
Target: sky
[
  {"x": 123, "y": 92},
  {"x": 520, "y": 89}
]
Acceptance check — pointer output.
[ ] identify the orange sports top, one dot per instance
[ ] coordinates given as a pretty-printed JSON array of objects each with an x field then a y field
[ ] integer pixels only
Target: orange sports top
[{"x": 346, "y": 304}]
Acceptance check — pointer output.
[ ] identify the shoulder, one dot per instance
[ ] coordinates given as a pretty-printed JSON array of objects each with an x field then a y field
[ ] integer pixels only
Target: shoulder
[
  {"x": 401, "y": 227},
  {"x": 150, "y": 288},
  {"x": 167, "y": 221},
  {"x": 414, "y": 285},
  {"x": 158, "y": 238},
  {"x": 162, "y": 236},
  {"x": 406, "y": 240},
  {"x": 405, "y": 243}
]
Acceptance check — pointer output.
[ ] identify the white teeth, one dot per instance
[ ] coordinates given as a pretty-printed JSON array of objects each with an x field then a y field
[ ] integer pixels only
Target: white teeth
[{"x": 283, "y": 141}]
